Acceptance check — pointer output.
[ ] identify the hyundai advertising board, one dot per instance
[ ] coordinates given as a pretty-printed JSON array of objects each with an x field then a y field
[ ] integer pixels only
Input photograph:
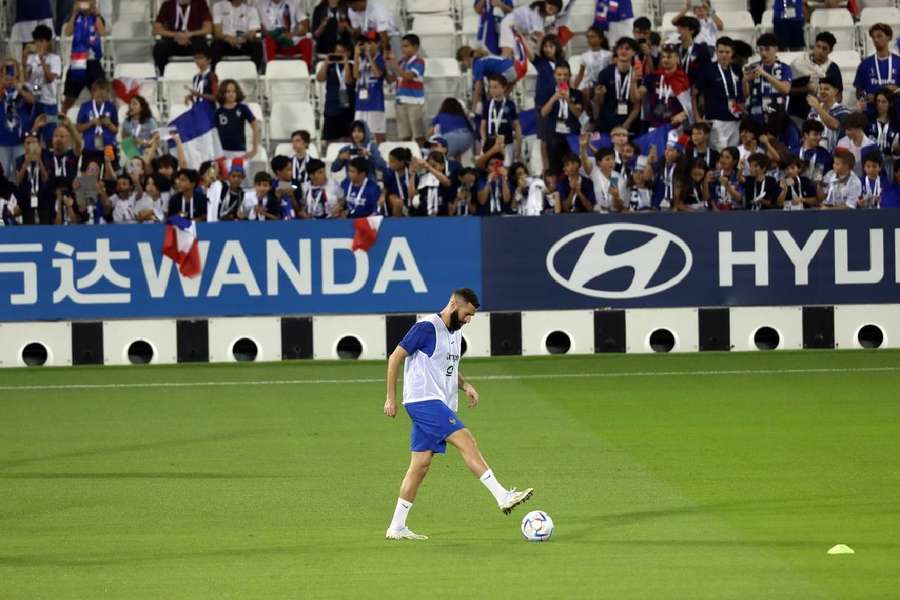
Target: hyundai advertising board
[{"x": 708, "y": 259}]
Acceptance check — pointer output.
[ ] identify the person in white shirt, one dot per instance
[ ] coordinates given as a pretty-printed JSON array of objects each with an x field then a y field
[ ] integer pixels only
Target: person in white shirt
[
  {"x": 44, "y": 70},
  {"x": 123, "y": 201},
  {"x": 284, "y": 28},
  {"x": 430, "y": 353},
  {"x": 593, "y": 62},
  {"x": 235, "y": 25},
  {"x": 710, "y": 23},
  {"x": 841, "y": 189},
  {"x": 528, "y": 22},
  {"x": 856, "y": 140},
  {"x": 609, "y": 184},
  {"x": 369, "y": 18}
]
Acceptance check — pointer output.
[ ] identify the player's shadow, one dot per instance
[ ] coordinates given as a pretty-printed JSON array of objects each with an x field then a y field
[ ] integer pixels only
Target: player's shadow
[{"x": 111, "y": 450}]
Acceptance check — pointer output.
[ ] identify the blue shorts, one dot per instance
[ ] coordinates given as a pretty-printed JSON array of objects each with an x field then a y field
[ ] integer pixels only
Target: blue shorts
[{"x": 432, "y": 423}]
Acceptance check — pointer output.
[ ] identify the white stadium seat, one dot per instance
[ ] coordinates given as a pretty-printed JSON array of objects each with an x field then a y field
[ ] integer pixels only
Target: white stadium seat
[
  {"x": 429, "y": 7},
  {"x": 870, "y": 16},
  {"x": 766, "y": 25},
  {"x": 177, "y": 79},
  {"x": 729, "y": 5},
  {"x": 666, "y": 24},
  {"x": 846, "y": 59},
  {"x": 438, "y": 35},
  {"x": 331, "y": 155},
  {"x": 288, "y": 117},
  {"x": 738, "y": 25},
  {"x": 242, "y": 71},
  {"x": 839, "y": 22},
  {"x": 285, "y": 149},
  {"x": 469, "y": 28},
  {"x": 287, "y": 80}
]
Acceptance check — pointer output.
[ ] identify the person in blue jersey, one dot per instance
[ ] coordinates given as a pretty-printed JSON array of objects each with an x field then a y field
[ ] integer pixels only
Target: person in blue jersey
[
  {"x": 86, "y": 26},
  {"x": 880, "y": 70},
  {"x": 615, "y": 17},
  {"x": 766, "y": 86},
  {"x": 490, "y": 13},
  {"x": 615, "y": 89},
  {"x": 693, "y": 55},
  {"x": 452, "y": 124},
  {"x": 399, "y": 181},
  {"x": 883, "y": 128},
  {"x": 720, "y": 91},
  {"x": 430, "y": 352},
  {"x": 360, "y": 195},
  {"x": 788, "y": 19},
  {"x": 829, "y": 111},
  {"x": 369, "y": 72},
  {"x": 816, "y": 159},
  {"x": 483, "y": 65},
  {"x": 231, "y": 117},
  {"x": 493, "y": 196},
  {"x": 808, "y": 69}
]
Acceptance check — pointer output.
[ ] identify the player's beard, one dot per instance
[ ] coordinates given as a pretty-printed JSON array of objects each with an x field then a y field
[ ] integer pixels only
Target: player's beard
[{"x": 455, "y": 322}]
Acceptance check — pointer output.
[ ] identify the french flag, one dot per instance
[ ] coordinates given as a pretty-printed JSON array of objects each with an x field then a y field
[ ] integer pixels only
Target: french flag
[
  {"x": 199, "y": 136},
  {"x": 180, "y": 244},
  {"x": 365, "y": 232}
]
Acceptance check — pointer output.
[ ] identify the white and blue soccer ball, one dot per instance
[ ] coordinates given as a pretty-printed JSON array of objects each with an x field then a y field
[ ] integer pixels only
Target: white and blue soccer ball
[{"x": 537, "y": 526}]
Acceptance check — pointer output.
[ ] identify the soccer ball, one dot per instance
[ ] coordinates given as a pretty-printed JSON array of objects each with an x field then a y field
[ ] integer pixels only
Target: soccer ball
[{"x": 537, "y": 526}]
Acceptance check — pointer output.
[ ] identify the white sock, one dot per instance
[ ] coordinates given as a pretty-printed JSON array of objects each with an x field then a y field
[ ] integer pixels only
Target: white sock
[
  {"x": 400, "y": 514},
  {"x": 493, "y": 486}
]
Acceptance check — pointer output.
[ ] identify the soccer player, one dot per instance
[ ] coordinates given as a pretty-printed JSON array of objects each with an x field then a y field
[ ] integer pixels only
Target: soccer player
[{"x": 431, "y": 350}]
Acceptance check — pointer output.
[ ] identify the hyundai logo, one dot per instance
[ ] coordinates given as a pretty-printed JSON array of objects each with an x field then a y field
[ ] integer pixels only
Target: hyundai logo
[{"x": 594, "y": 261}]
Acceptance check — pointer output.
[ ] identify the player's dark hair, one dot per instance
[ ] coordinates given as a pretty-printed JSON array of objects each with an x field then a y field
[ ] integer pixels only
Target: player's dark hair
[
  {"x": 304, "y": 135},
  {"x": 790, "y": 161},
  {"x": 190, "y": 174},
  {"x": 873, "y": 156},
  {"x": 627, "y": 41},
  {"x": 812, "y": 125},
  {"x": 826, "y": 37},
  {"x": 262, "y": 177},
  {"x": 882, "y": 27},
  {"x": 468, "y": 295},
  {"x": 279, "y": 162}
]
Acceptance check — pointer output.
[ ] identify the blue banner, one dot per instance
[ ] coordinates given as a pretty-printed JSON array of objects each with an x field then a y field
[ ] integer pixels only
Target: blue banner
[
  {"x": 712, "y": 259},
  {"x": 249, "y": 268}
]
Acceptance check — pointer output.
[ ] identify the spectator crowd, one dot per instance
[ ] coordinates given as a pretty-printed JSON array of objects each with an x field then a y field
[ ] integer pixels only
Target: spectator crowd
[{"x": 680, "y": 118}]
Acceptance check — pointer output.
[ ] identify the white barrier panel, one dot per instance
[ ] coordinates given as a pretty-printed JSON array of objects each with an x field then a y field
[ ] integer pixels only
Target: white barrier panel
[
  {"x": 647, "y": 327},
  {"x": 54, "y": 337},
  {"x": 476, "y": 335},
  {"x": 120, "y": 337},
  {"x": 574, "y": 328},
  {"x": 263, "y": 332},
  {"x": 748, "y": 328},
  {"x": 368, "y": 330},
  {"x": 867, "y": 321}
]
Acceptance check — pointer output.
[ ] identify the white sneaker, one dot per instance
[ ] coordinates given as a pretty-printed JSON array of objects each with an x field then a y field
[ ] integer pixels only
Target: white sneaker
[
  {"x": 514, "y": 498},
  {"x": 403, "y": 534}
]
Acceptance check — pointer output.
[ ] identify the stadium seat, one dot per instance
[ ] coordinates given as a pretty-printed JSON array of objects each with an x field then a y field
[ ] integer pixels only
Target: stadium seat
[
  {"x": 766, "y": 25},
  {"x": 469, "y": 33},
  {"x": 442, "y": 76},
  {"x": 242, "y": 71},
  {"x": 839, "y": 22},
  {"x": 145, "y": 72},
  {"x": 287, "y": 80},
  {"x": 175, "y": 82},
  {"x": 728, "y": 5},
  {"x": 872, "y": 15},
  {"x": 846, "y": 59},
  {"x": 288, "y": 117},
  {"x": 438, "y": 35},
  {"x": 789, "y": 57},
  {"x": 331, "y": 154},
  {"x": 415, "y": 8},
  {"x": 665, "y": 26},
  {"x": 739, "y": 25}
]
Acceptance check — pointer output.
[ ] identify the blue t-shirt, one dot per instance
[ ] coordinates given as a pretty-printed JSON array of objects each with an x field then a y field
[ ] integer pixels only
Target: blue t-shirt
[
  {"x": 420, "y": 336},
  {"x": 230, "y": 122},
  {"x": 489, "y": 26},
  {"x": 790, "y": 10},
  {"x": 88, "y": 111},
  {"x": 762, "y": 94},
  {"x": 818, "y": 158},
  {"x": 397, "y": 183},
  {"x": 12, "y": 130},
  {"x": 890, "y": 198},
  {"x": 370, "y": 89},
  {"x": 568, "y": 125},
  {"x": 499, "y": 116},
  {"x": 446, "y": 122},
  {"x": 612, "y": 11},
  {"x": 362, "y": 201},
  {"x": 872, "y": 75},
  {"x": 489, "y": 65},
  {"x": 587, "y": 188},
  {"x": 495, "y": 204},
  {"x": 617, "y": 85},
  {"x": 718, "y": 87}
]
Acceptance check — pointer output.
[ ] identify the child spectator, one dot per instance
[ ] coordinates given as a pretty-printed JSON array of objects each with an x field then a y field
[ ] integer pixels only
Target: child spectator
[
  {"x": 693, "y": 55},
  {"x": 699, "y": 146},
  {"x": 500, "y": 117},
  {"x": 873, "y": 182},
  {"x": 321, "y": 196},
  {"x": 368, "y": 71},
  {"x": 609, "y": 186},
  {"x": 288, "y": 195},
  {"x": 797, "y": 191},
  {"x": 664, "y": 195},
  {"x": 597, "y": 58},
  {"x": 187, "y": 201},
  {"x": 692, "y": 194},
  {"x": 432, "y": 186},
  {"x": 98, "y": 121},
  {"x": 360, "y": 145},
  {"x": 727, "y": 188},
  {"x": 883, "y": 128},
  {"x": 760, "y": 190},
  {"x": 31, "y": 181},
  {"x": 205, "y": 84},
  {"x": 44, "y": 72},
  {"x": 829, "y": 111},
  {"x": 399, "y": 182},
  {"x": 463, "y": 203},
  {"x": 816, "y": 159},
  {"x": 639, "y": 186},
  {"x": 300, "y": 141},
  {"x": 86, "y": 27},
  {"x": 337, "y": 74},
  {"x": 231, "y": 117},
  {"x": 493, "y": 193},
  {"x": 410, "y": 96},
  {"x": 710, "y": 23},
  {"x": 576, "y": 192},
  {"x": 149, "y": 207},
  {"x": 856, "y": 141},
  {"x": 551, "y": 54},
  {"x": 453, "y": 125},
  {"x": 231, "y": 194},
  {"x": 259, "y": 203},
  {"x": 359, "y": 195},
  {"x": 841, "y": 189},
  {"x": 139, "y": 124},
  {"x": 122, "y": 202},
  {"x": 767, "y": 84}
]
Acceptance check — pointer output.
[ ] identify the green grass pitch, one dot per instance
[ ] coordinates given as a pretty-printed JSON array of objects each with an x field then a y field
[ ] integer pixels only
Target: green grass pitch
[{"x": 680, "y": 477}]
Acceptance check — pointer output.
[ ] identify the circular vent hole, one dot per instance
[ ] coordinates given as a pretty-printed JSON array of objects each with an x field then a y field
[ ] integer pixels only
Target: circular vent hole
[
  {"x": 558, "y": 342},
  {"x": 140, "y": 353},
  {"x": 34, "y": 354},
  {"x": 349, "y": 346},
  {"x": 465, "y": 346},
  {"x": 662, "y": 340},
  {"x": 244, "y": 350},
  {"x": 766, "y": 338},
  {"x": 870, "y": 336}
]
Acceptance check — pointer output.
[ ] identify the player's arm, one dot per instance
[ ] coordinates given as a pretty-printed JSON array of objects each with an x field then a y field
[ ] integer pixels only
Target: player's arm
[
  {"x": 394, "y": 361},
  {"x": 469, "y": 389}
]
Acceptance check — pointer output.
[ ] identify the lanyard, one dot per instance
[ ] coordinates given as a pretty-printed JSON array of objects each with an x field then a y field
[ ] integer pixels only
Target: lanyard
[
  {"x": 688, "y": 58},
  {"x": 622, "y": 86},
  {"x": 190, "y": 205},
  {"x": 882, "y": 129},
  {"x": 316, "y": 201},
  {"x": 796, "y": 189},
  {"x": 182, "y": 17},
  {"x": 669, "y": 183},
  {"x": 34, "y": 178},
  {"x": 300, "y": 167},
  {"x": 496, "y": 195},
  {"x": 359, "y": 194},
  {"x": 339, "y": 72},
  {"x": 563, "y": 114},
  {"x": 495, "y": 119},
  {"x": 97, "y": 113},
  {"x": 759, "y": 188},
  {"x": 200, "y": 81},
  {"x": 728, "y": 93},
  {"x": 402, "y": 187},
  {"x": 873, "y": 187},
  {"x": 890, "y": 70},
  {"x": 365, "y": 71},
  {"x": 59, "y": 166}
]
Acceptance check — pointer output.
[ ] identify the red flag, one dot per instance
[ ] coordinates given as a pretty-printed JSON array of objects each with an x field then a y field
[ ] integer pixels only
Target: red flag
[
  {"x": 126, "y": 88},
  {"x": 365, "y": 232},
  {"x": 180, "y": 244},
  {"x": 564, "y": 34}
]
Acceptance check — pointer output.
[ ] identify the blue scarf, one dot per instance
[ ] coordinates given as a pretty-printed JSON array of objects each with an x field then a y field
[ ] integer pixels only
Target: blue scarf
[{"x": 84, "y": 40}]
